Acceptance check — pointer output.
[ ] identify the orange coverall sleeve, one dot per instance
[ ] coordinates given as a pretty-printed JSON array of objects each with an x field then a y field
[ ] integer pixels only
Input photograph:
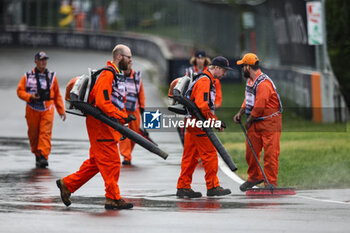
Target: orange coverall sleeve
[
  {"x": 21, "y": 90},
  {"x": 199, "y": 92},
  {"x": 218, "y": 95},
  {"x": 57, "y": 97},
  {"x": 263, "y": 94},
  {"x": 142, "y": 96},
  {"x": 102, "y": 94}
]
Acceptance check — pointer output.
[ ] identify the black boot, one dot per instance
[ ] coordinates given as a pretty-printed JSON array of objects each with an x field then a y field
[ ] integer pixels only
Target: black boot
[
  {"x": 187, "y": 193},
  {"x": 218, "y": 191},
  {"x": 247, "y": 185},
  {"x": 42, "y": 162},
  {"x": 64, "y": 191},
  {"x": 117, "y": 204},
  {"x": 126, "y": 162},
  {"x": 37, "y": 163}
]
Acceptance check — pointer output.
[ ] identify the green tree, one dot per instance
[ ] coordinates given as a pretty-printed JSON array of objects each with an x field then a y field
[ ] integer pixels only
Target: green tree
[{"x": 338, "y": 37}]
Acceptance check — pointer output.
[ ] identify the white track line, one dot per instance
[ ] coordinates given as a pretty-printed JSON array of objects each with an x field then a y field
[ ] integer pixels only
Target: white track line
[
  {"x": 322, "y": 200},
  {"x": 225, "y": 169}
]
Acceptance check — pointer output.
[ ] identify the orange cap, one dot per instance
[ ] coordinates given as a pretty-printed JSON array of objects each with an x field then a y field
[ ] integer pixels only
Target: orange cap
[{"x": 249, "y": 59}]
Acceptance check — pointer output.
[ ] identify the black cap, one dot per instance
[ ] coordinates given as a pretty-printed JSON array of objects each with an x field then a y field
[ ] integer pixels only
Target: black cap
[
  {"x": 200, "y": 53},
  {"x": 41, "y": 56},
  {"x": 221, "y": 62}
]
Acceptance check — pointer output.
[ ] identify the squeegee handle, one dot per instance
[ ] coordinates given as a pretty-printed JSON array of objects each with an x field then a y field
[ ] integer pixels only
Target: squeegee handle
[{"x": 251, "y": 147}]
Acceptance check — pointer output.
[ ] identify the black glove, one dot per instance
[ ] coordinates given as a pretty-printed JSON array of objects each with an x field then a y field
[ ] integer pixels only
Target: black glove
[
  {"x": 131, "y": 117},
  {"x": 142, "y": 110},
  {"x": 223, "y": 125}
]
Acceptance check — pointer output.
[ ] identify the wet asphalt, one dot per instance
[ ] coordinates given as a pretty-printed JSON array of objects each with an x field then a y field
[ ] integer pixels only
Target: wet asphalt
[{"x": 30, "y": 202}]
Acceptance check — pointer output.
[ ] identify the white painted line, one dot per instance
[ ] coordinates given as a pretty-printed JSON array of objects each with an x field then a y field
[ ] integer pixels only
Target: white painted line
[
  {"x": 323, "y": 200},
  {"x": 225, "y": 169}
]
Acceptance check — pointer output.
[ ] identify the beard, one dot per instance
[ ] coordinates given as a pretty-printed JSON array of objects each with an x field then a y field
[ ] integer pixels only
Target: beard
[
  {"x": 245, "y": 74},
  {"x": 123, "y": 65}
]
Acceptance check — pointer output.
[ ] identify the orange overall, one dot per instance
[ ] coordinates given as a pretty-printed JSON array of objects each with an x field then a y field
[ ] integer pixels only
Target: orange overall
[
  {"x": 264, "y": 133},
  {"x": 104, "y": 156},
  {"x": 126, "y": 146},
  {"x": 40, "y": 117},
  {"x": 197, "y": 144}
]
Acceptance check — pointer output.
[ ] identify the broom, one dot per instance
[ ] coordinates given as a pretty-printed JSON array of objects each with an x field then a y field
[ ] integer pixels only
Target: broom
[{"x": 269, "y": 189}]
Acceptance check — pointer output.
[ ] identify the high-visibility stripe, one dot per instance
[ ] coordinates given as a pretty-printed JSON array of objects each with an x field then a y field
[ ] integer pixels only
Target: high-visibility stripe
[{"x": 316, "y": 97}]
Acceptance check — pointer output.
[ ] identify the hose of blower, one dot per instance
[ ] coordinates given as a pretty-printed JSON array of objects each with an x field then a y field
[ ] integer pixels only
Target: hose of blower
[
  {"x": 195, "y": 111},
  {"x": 132, "y": 135}
]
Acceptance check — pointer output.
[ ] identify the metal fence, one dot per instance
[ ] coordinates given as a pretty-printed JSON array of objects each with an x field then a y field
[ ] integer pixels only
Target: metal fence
[{"x": 200, "y": 24}]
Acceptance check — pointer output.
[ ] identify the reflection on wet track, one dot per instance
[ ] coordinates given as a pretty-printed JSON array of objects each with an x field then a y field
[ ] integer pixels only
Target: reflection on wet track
[{"x": 29, "y": 188}]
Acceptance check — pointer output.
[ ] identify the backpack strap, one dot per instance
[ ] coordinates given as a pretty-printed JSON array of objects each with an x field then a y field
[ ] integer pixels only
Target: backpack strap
[
  {"x": 211, "y": 83},
  {"x": 98, "y": 72}
]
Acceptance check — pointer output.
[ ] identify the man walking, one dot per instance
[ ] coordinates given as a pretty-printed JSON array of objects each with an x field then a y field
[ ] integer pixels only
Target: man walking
[
  {"x": 263, "y": 108},
  {"x": 39, "y": 88},
  {"x": 108, "y": 94}
]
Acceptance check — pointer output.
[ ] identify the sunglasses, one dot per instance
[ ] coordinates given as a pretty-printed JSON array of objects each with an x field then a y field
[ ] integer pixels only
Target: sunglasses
[{"x": 129, "y": 57}]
